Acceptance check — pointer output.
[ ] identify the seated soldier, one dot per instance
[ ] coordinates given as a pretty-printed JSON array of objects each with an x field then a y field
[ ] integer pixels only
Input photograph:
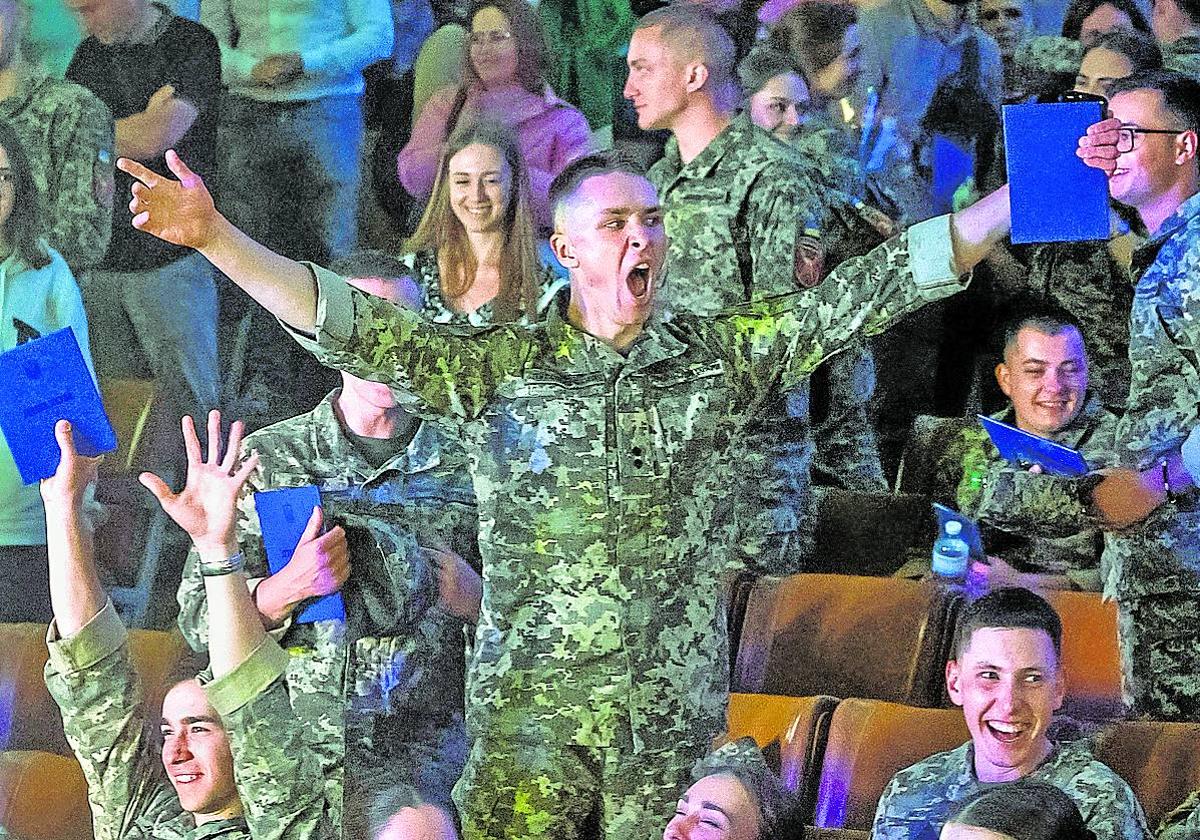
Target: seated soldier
[
  {"x": 1005, "y": 674},
  {"x": 235, "y": 761},
  {"x": 1044, "y": 374}
]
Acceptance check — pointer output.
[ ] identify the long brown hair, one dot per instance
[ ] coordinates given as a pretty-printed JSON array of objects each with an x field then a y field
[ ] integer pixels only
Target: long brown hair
[{"x": 440, "y": 230}]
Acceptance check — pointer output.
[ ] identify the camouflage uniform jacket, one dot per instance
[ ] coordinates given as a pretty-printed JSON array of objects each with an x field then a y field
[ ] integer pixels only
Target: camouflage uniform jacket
[
  {"x": 919, "y": 799},
  {"x": 426, "y": 275},
  {"x": 68, "y": 137},
  {"x": 104, "y": 714},
  {"x": 398, "y": 653},
  {"x": 1162, "y": 555},
  {"x": 1183, "y": 55},
  {"x": 597, "y": 475}
]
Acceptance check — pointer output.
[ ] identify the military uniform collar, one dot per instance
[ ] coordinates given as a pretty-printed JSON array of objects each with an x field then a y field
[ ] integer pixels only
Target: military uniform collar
[
  {"x": 574, "y": 351},
  {"x": 1146, "y": 253},
  {"x": 1066, "y": 753},
  {"x": 332, "y": 444},
  {"x": 1074, "y": 432},
  {"x": 934, "y": 28},
  {"x": 704, "y": 163}
]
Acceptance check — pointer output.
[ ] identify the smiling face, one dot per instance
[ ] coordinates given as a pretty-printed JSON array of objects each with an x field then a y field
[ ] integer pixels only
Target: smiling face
[
  {"x": 480, "y": 187},
  {"x": 1154, "y": 166},
  {"x": 493, "y": 50},
  {"x": 717, "y": 807},
  {"x": 196, "y": 754},
  {"x": 658, "y": 82},
  {"x": 1046, "y": 377},
  {"x": 610, "y": 238},
  {"x": 1008, "y": 684},
  {"x": 777, "y": 106}
]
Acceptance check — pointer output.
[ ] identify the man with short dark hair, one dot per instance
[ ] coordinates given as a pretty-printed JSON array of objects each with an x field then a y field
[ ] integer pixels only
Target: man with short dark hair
[{"x": 1005, "y": 675}]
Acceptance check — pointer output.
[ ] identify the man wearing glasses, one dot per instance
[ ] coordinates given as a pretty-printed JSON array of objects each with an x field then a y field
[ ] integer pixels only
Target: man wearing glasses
[{"x": 1149, "y": 150}]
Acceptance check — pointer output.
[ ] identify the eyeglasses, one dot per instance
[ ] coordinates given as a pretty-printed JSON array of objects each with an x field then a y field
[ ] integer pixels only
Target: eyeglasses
[
  {"x": 495, "y": 37},
  {"x": 1127, "y": 135}
]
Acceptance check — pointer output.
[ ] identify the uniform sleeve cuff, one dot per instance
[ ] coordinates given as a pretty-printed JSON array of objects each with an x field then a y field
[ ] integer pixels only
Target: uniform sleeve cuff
[
  {"x": 931, "y": 255},
  {"x": 99, "y": 638},
  {"x": 335, "y": 309},
  {"x": 256, "y": 673}
]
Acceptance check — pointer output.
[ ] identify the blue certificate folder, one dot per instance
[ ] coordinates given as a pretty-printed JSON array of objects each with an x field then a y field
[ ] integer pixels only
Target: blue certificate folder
[
  {"x": 282, "y": 515},
  {"x": 44, "y": 381},
  {"x": 1056, "y": 197},
  {"x": 1021, "y": 447}
]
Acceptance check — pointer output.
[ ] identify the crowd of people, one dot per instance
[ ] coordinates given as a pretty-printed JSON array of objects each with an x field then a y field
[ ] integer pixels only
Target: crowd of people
[{"x": 573, "y": 312}]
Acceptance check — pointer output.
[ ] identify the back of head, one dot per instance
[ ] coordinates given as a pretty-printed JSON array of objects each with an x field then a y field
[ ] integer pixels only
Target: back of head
[
  {"x": 1079, "y": 10},
  {"x": 567, "y": 182},
  {"x": 1025, "y": 810},
  {"x": 812, "y": 34},
  {"x": 694, "y": 35},
  {"x": 1180, "y": 92},
  {"x": 1010, "y": 608},
  {"x": 1142, "y": 51}
]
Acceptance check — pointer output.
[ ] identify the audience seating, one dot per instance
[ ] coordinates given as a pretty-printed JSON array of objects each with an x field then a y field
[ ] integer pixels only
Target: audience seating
[
  {"x": 43, "y": 797},
  {"x": 1160, "y": 761},
  {"x": 869, "y": 741},
  {"x": 928, "y": 438},
  {"x": 847, "y": 636},
  {"x": 34, "y": 722},
  {"x": 1091, "y": 660},
  {"x": 793, "y": 729},
  {"x": 867, "y": 533}
]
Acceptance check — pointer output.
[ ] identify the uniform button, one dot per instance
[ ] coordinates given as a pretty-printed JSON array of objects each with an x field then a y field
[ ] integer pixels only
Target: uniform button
[
  {"x": 638, "y": 462},
  {"x": 637, "y": 450}
]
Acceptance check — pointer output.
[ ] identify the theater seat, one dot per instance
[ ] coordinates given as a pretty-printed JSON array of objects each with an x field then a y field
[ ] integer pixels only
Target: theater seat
[
  {"x": 43, "y": 797},
  {"x": 1160, "y": 761},
  {"x": 869, "y": 741},
  {"x": 791, "y": 731},
  {"x": 812, "y": 634},
  {"x": 849, "y": 526},
  {"x": 27, "y": 712},
  {"x": 1091, "y": 660}
]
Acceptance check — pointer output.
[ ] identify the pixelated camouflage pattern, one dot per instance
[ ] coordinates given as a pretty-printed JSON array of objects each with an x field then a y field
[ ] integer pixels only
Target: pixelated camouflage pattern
[
  {"x": 827, "y": 151},
  {"x": 597, "y": 476},
  {"x": 1183, "y": 56},
  {"x": 1159, "y": 655},
  {"x": 399, "y": 654},
  {"x": 424, "y": 272},
  {"x": 520, "y": 790},
  {"x": 1183, "y": 823},
  {"x": 106, "y": 722},
  {"x": 68, "y": 138},
  {"x": 919, "y": 799},
  {"x": 1046, "y": 61}
]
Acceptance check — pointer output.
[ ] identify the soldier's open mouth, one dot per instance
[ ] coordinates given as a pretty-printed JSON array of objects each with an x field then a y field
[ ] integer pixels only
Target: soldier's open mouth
[
  {"x": 638, "y": 279},
  {"x": 1005, "y": 733}
]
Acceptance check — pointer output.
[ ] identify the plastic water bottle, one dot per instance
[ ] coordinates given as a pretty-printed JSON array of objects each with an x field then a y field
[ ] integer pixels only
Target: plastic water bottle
[{"x": 950, "y": 552}]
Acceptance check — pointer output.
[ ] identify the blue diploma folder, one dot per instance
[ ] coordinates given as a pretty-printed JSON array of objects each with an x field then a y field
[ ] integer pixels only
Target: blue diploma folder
[
  {"x": 282, "y": 515},
  {"x": 44, "y": 381},
  {"x": 1021, "y": 447},
  {"x": 1056, "y": 197},
  {"x": 970, "y": 529}
]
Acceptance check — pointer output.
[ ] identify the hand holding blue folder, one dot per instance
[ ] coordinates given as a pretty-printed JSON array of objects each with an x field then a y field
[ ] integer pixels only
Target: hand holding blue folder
[
  {"x": 1024, "y": 448},
  {"x": 282, "y": 516},
  {"x": 47, "y": 380}
]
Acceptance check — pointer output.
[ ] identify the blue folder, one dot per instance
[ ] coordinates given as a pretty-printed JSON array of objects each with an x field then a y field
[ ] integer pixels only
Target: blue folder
[
  {"x": 46, "y": 380},
  {"x": 282, "y": 515},
  {"x": 1024, "y": 448},
  {"x": 969, "y": 533},
  {"x": 1056, "y": 197}
]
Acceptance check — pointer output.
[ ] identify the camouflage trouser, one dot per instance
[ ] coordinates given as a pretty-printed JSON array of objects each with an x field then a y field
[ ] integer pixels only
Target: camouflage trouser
[
  {"x": 1160, "y": 656},
  {"x": 512, "y": 789}
]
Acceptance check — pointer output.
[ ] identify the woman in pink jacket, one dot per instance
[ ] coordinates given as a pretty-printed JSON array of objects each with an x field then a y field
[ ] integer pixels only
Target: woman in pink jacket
[{"x": 504, "y": 80}]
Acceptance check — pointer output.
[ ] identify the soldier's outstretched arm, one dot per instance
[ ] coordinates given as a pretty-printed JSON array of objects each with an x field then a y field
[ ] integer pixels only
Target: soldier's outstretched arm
[{"x": 180, "y": 210}]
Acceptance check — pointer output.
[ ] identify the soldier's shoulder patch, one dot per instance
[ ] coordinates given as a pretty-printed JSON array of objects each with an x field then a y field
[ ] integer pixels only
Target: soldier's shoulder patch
[{"x": 809, "y": 256}]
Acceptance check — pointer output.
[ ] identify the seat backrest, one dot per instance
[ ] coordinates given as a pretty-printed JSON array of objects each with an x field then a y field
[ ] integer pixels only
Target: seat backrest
[
  {"x": 867, "y": 533},
  {"x": 847, "y": 636},
  {"x": 1091, "y": 660},
  {"x": 1160, "y": 761},
  {"x": 43, "y": 797},
  {"x": 129, "y": 404},
  {"x": 795, "y": 727},
  {"x": 928, "y": 438},
  {"x": 869, "y": 742},
  {"x": 32, "y": 717}
]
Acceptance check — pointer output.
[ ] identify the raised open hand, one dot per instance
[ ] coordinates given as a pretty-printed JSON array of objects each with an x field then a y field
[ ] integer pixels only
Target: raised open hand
[
  {"x": 206, "y": 508},
  {"x": 181, "y": 212},
  {"x": 64, "y": 490}
]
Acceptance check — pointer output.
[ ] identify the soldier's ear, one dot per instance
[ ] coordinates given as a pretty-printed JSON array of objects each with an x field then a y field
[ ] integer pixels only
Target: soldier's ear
[
  {"x": 1003, "y": 379},
  {"x": 696, "y": 75},
  {"x": 954, "y": 681},
  {"x": 563, "y": 250},
  {"x": 1185, "y": 148}
]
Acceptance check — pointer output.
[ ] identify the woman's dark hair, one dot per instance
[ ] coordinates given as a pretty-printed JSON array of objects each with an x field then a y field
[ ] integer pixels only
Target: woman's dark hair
[
  {"x": 1078, "y": 11},
  {"x": 26, "y": 223},
  {"x": 813, "y": 33},
  {"x": 762, "y": 64},
  {"x": 1025, "y": 810},
  {"x": 775, "y": 805},
  {"x": 1141, "y": 50}
]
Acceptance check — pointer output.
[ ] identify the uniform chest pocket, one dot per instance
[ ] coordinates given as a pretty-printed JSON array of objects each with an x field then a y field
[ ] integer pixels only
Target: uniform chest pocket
[{"x": 689, "y": 411}]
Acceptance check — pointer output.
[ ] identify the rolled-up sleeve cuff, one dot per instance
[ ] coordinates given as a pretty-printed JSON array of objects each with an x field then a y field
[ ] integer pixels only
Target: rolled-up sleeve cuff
[
  {"x": 99, "y": 638},
  {"x": 335, "y": 310},
  {"x": 931, "y": 255},
  {"x": 256, "y": 673}
]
